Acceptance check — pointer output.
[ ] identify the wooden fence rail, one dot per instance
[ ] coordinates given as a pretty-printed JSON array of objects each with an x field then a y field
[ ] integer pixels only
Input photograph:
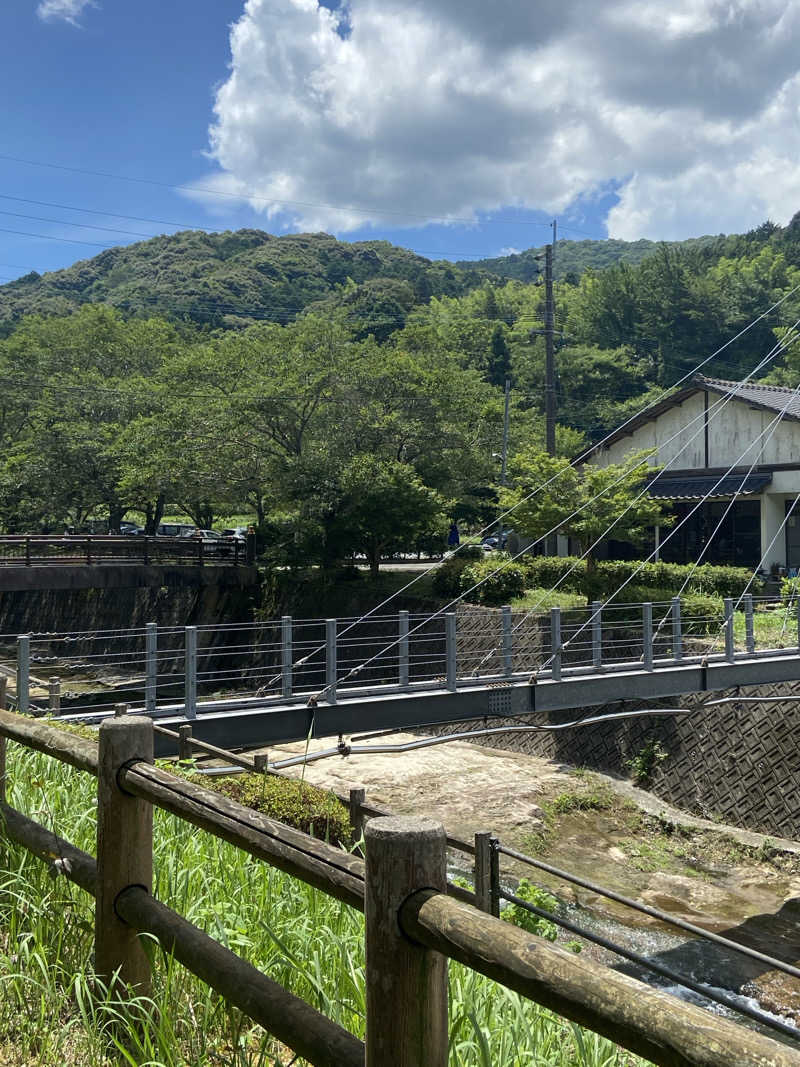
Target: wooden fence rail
[{"x": 412, "y": 925}]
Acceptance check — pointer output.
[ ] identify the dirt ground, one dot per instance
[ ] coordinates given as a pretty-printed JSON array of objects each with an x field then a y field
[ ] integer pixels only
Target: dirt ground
[{"x": 600, "y": 828}]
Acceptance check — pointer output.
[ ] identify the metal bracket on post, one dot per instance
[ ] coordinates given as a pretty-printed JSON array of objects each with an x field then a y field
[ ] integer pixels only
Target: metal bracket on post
[
  {"x": 450, "y": 643},
  {"x": 508, "y": 631},
  {"x": 151, "y": 667},
  {"x": 597, "y": 633},
  {"x": 555, "y": 643},
  {"x": 647, "y": 636},
  {"x": 23, "y": 673},
  {"x": 286, "y": 655},
  {"x": 402, "y": 648},
  {"x": 750, "y": 637},
  {"x": 330, "y": 660},
  {"x": 729, "y": 645},
  {"x": 677, "y": 633},
  {"x": 190, "y": 673},
  {"x": 54, "y": 696}
]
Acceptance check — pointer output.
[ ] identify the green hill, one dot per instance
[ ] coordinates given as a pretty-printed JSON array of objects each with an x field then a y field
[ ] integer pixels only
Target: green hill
[
  {"x": 574, "y": 257},
  {"x": 227, "y": 279}
]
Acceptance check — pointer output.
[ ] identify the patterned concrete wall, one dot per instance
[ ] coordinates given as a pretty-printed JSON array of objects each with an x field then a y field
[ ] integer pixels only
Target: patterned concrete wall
[
  {"x": 736, "y": 762},
  {"x": 739, "y": 763}
]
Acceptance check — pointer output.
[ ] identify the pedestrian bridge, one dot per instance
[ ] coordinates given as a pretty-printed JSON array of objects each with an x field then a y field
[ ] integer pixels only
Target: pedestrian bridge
[{"x": 285, "y": 679}]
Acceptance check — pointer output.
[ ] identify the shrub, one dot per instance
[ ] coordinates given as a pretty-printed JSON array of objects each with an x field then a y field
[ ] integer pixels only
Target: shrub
[
  {"x": 790, "y": 591},
  {"x": 545, "y": 571},
  {"x": 606, "y": 576},
  {"x": 701, "y": 614},
  {"x": 526, "y": 920},
  {"x": 501, "y": 580},
  {"x": 447, "y": 576}
]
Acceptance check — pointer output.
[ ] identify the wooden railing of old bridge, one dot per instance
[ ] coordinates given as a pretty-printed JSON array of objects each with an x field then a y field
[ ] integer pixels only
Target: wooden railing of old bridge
[
  {"x": 412, "y": 925},
  {"x": 42, "y": 550}
]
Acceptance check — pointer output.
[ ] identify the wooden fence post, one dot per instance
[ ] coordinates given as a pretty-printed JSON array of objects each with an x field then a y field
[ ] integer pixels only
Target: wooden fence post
[
  {"x": 184, "y": 744},
  {"x": 3, "y": 742},
  {"x": 483, "y": 851},
  {"x": 357, "y": 798},
  {"x": 124, "y": 851},
  {"x": 54, "y": 696},
  {"x": 406, "y": 983}
]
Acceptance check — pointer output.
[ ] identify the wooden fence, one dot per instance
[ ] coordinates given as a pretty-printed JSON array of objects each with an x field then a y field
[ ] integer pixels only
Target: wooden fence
[
  {"x": 412, "y": 924},
  {"x": 37, "y": 550}
]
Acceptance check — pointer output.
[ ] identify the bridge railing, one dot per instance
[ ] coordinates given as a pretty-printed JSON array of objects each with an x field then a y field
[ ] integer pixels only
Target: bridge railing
[
  {"x": 179, "y": 669},
  {"x": 412, "y": 925},
  {"x": 37, "y": 550}
]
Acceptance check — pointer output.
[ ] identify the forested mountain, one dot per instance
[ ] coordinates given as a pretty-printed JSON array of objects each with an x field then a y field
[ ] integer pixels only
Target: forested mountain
[
  {"x": 349, "y": 396},
  {"x": 574, "y": 257},
  {"x": 229, "y": 279}
]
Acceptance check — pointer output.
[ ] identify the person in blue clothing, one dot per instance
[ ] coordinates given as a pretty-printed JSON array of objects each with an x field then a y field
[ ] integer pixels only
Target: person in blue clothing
[{"x": 453, "y": 538}]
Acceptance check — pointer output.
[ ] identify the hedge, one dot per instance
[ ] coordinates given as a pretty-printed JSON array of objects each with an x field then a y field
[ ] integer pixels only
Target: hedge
[
  {"x": 608, "y": 575},
  {"x": 502, "y": 580}
]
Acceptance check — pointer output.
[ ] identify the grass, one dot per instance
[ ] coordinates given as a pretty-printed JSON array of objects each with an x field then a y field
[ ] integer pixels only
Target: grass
[
  {"x": 53, "y": 1012},
  {"x": 544, "y": 599}
]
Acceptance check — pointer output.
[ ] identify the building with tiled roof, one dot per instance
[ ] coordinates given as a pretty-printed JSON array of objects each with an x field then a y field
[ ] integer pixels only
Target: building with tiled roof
[{"x": 719, "y": 442}]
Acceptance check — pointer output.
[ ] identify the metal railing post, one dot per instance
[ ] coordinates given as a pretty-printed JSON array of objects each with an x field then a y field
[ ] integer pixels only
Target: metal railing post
[
  {"x": 150, "y": 666},
  {"x": 750, "y": 637},
  {"x": 54, "y": 696},
  {"x": 597, "y": 633},
  {"x": 23, "y": 673},
  {"x": 88, "y": 551},
  {"x": 677, "y": 631},
  {"x": 402, "y": 648},
  {"x": 555, "y": 643},
  {"x": 494, "y": 876},
  {"x": 190, "y": 673},
  {"x": 286, "y": 655},
  {"x": 357, "y": 820},
  {"x": 508, "y": 631},
  {"x": 647, "y": 636},
  {"x": 729, "y": 645},
  {"x": 450, "y": 649},
  {"x": 27, "y": 551},
  {"x": 330, "y": 660}
]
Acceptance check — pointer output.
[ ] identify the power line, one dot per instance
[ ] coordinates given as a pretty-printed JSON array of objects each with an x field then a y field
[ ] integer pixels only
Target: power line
[{"x": 445, "y": 219}]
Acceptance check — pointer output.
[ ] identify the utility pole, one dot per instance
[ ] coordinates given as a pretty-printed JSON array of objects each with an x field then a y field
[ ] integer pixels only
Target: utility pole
[
  {"x": 549, "y": 341},
  {"x": 505, "y": 433}
]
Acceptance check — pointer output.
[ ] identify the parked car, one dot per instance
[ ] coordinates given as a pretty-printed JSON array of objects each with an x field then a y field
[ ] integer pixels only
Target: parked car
[
  {"x": 496, "y": 540},
  {"x": 175, "y": 529},
  {"x": 213, "y": 541},
  {"x": 130, "y": 529}
]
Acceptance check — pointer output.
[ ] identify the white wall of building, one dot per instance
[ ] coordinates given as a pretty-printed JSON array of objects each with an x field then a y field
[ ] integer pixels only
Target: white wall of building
[{"x": 737, "y": 434}]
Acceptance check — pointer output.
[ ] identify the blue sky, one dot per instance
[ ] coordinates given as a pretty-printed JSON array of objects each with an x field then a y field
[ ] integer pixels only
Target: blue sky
[{"x": 411, "y": 113}]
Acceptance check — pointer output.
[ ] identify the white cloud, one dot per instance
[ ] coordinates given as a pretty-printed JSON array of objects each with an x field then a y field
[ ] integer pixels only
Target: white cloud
[
  {"x": 67, "y": 10},
  {"x": 425, "y": 109}
]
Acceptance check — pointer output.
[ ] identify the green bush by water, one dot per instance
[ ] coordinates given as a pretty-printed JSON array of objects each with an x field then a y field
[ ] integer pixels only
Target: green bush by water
[{"x": 310, "y": 943}]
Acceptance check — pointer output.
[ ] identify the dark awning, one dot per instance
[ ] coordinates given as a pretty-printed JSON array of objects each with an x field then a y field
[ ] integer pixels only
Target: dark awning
[{"x": 664, "y": 487}]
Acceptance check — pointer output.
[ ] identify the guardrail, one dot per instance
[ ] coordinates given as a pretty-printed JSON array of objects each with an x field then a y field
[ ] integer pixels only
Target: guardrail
[
  {"x": 93, "y": 550},
  {"x": 411, "y": 926},
  {"x": 183, "y": 670}
]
